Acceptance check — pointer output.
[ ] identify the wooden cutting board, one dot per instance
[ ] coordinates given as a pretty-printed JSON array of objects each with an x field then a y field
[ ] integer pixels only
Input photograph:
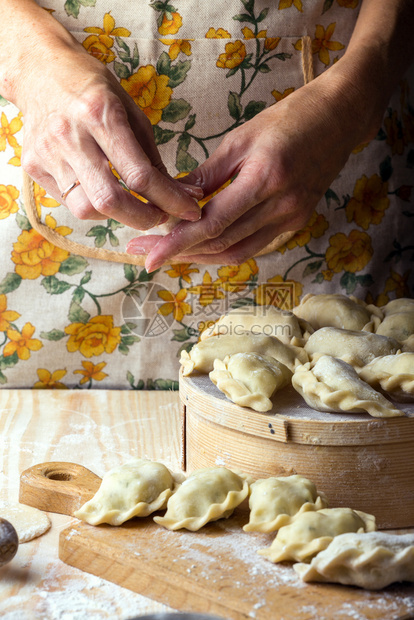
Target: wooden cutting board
[{"x": 216, "y": 570}]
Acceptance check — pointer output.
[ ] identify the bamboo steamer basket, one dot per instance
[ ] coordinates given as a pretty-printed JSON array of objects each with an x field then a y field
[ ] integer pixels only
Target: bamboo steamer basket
[{"x": 358, "y": 461}]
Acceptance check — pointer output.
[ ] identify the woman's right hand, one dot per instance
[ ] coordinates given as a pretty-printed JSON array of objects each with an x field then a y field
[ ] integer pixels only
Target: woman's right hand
[{"x": 77, "y": 117}]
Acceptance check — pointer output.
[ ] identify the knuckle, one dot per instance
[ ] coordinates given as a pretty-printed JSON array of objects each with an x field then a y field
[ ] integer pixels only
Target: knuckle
[
  {"x": 104, "y": 201},
  {"x": 82, "y": 211},
  {"x": 213, "y": 228},
  {"x": 59, "y": 128},
  {"x": 218, "y": 245},
  {"x": 138, "y": 178}
]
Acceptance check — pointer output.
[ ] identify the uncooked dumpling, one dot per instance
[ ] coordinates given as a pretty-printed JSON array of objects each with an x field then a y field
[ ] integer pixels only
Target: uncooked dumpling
[
  {"x": 356, "y": 348},
  {"x": 332, "y": 385},
  {"x": 135, "y": 489},
  {"x": 373, "y": 560},
  {"x": 202, "y": 355},
  {"x": 206, "y": 495},
  {"x": 267, "y": 320},
  {"x": 399, "y": 325},
  {"x": 274, "y": 501},
  {"x": 29, "y": 522},
  {"x": 403, "y": 304},
  {"x": 336, "y": 310},
  {"x": 312, "y": 531},
  {"x": 250, "y": 379},
  {"x": 394, "y": 374}
]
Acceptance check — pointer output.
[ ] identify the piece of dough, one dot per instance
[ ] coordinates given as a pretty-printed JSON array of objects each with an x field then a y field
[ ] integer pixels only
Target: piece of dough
[
  {"x": 250, "y": 379},
  {"x": 403, "y": 304},
  {"x": 312, "y": 531},
  {"x": 135, "y": 489},
  {"x": 332, "y": 385},
  {"x": 202, "y": 355},
  {"x": 373, "y": 560},
  {"x": 206, "y": 495},
  {"x": 356, "y": 348},
  {"x": 274, "y": 501},
  {"x": 336, "y": 310},
  {"x": 394, "y": 374},
  {"x": 399, "y": 325},
  {"x": 266, "y": 320},
  {"x": 28, "y": 522}
]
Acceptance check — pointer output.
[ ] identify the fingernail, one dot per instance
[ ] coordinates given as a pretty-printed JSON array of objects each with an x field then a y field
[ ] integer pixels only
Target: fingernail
[
  {"x": 150, "y": 266},
  {"x": 192, "y": 216},
  {"x": 132, "y": 248},
  {"x": 164, "y": 218},
  {"x": 193, "y": 191}
]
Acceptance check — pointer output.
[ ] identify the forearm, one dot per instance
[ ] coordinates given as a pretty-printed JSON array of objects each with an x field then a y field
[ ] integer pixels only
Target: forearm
[
  {"x": 30, "y": 44},
  {"x": 379, "y": 53}
]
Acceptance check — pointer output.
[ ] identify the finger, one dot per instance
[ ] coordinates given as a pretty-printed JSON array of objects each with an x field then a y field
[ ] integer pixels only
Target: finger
[
  {"x": 136, "y": 169},
  {"x": 104, "y": 192},
  {"x": 237, "y": 253},
  {"x": 219, "y": 213}
]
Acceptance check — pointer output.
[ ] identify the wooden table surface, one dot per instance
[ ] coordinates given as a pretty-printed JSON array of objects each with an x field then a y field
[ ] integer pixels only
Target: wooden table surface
[{"x": 99, "y": 430}]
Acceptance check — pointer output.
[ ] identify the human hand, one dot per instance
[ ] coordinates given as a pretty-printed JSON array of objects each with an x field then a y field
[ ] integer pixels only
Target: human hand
[
  {"x": 76, "y": 118},
  {"x": 285, "y": 158}
]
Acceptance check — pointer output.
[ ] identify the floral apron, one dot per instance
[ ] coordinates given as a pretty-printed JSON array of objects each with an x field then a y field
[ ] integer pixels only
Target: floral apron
[{"x": 76, "y": 311}]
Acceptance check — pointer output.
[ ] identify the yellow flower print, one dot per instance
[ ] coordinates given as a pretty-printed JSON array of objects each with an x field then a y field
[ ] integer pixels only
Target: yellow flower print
[
  {"x": 220, "y": 33},
  {"x": 350, "y": 253},
  {"x": 322, "y": 43},
  {"x": 369, "y": 201},
  {"x": 175, "y": 304},
  {"x": 8, "y": 204},
  {"x": 41, "y": 199},
  {"x": 100, "y": 42},
  {"x": 360, "y": 148},
  {"x": 49, "y": 380},
  {"x": 286, "y": 4},
  {"x": 95, "y": 337},
  {"x": 208, "y": 291},
  {"x": 315, "y": 228},
  {"x": 279, "y": 96},
  {"x": 171, "y": 23},
  {"x": 22, "y": 342},
  {"x": 278, "y": 292},
  {"x": 395, "y": 136},
  {"x": 271, "y": 43},
  {"x": 397, "y": 284},
  {"x": 233, "y": 57},
  {"x": 177, "y": 46},
  {"x": 150, "y": 91},
  {"x": 7, "y": 131},
  {"x": 235, "y": 278},
  {"x": 182, "y": 270},
  {"x": 91, "y": 372},
  {"x": 6, "y": 316},
  {"x": 34, "y": 256},
  {"x": 16, "y": 160}
]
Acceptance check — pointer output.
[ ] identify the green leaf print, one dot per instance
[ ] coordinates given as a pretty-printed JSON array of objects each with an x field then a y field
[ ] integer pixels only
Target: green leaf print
[
  {"x": 243, "y": 17},
  {"x": 234, "y": 105},
  {"x": 77, "y": 314},
  {"x": 181, "y": 335},
  {"x": 23, "y": 222},
  {"x": 348, "y": 281},
  {"x": 54, "y": 335},
  {"x": 327, "y": 5},
  {"x": 54, "y": 286},
  {"x": 10, "y": 283},
  {"x": 178, "y": 73},
  {"x": 253, "y": 108},
  {"x": 121, "y": 70},
  {"x": 248, "y": 5},
  {"x": 262, "y": 15},
  {"x": 72, "y": 7},
  {"x": 3, "y": 101},
  {"x": 385, "y": 169},
  {"x": 130, "y": 272},
  {"x": 190, "y": 123},
  {"x": 8, "y": 361},
  {"x": 176, "y": 110},
  {"x": 312, "y": 268},
  {"x": 162, "y": 136},
  {"x": 72, "y": 265},
  {"x": 184, "y": 161}
]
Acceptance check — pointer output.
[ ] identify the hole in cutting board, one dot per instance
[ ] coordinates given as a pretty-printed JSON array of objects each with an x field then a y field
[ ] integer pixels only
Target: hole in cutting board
[{"x": 61, "y": 476}]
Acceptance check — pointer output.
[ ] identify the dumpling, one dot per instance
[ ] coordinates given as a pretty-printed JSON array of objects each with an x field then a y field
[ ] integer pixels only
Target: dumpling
[
  {"x": 332, "y": 385},
  {"x": 250, "y": 379},
  {"x": 135, "y": 489},
  {"x": 312, "y": 531},
  {"x": 394, "y": 374},
  {"x": 202, "y": 355},
  {"x": 274, "y": 501},
  {"x": 373, "y": 560},
  {"x": 403, "y": 304},
  {"x": 267, "y": 320},
  {"x": 206, "y": 495},
  {"x": 400, "y": 326},
  {"x": 356, "y": 348},
  {"x": 336, "y": 310}
]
